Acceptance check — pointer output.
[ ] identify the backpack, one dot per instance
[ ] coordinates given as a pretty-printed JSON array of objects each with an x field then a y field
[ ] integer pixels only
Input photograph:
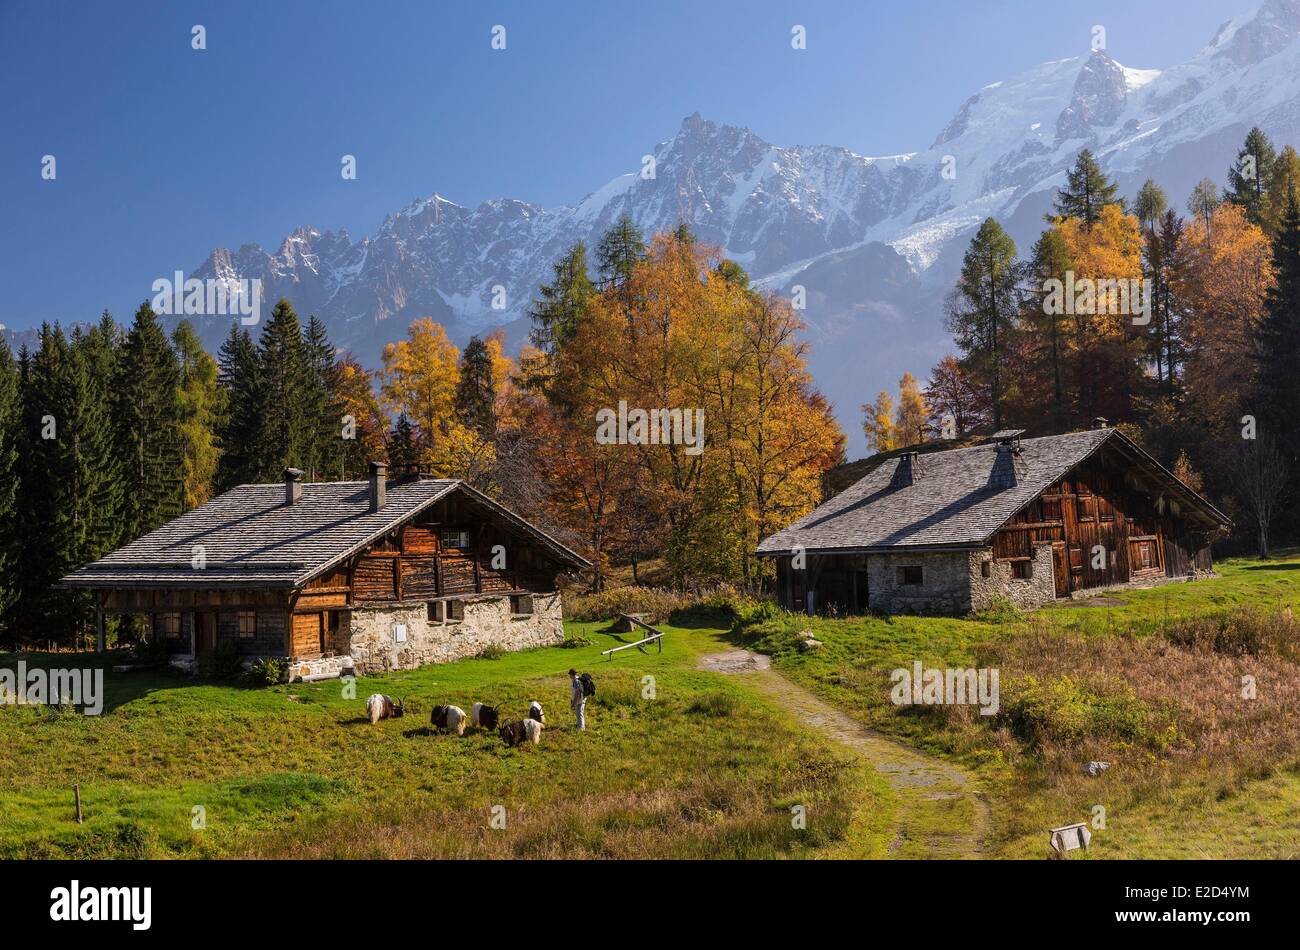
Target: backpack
[{"x": 588, "y": 684}]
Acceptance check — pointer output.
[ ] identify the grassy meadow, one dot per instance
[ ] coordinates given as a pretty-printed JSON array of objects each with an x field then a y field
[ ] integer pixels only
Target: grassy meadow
[
  {"x": 1148, "y": 680},
  {"x": 704, "y": 769}
]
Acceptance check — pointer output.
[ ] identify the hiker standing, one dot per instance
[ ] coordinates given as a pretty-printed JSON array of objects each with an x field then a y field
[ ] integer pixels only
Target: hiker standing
[{"x": 578, "y": 699}]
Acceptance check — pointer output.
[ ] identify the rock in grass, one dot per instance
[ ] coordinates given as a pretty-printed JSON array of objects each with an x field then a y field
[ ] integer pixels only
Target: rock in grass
[{"x": 1093, "y": 769}]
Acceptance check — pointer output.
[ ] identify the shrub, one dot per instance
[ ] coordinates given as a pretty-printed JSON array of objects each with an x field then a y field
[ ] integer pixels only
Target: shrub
[
  {"x": 1000, "y": 609},
  {"x": 493, "y": 651},
  {"x": 1062, "y": 711},
  {"x": 219, "y": 663},
  {"x": 267, "y": 671},
  {"x": 659, "y": 604},
  {"x": 150, "y": 651}
]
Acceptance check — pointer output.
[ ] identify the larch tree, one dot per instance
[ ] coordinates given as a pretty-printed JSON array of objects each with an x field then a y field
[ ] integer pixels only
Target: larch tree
[
  {"x": 912, "y": 421},
  {"x": 878, "y": 423},
  {"x": 200, "y": 399},
  {"x": 1087, "y": 190}
]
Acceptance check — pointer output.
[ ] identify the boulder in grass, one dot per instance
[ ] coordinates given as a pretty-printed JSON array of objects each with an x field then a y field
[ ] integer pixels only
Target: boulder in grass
[{"x": 1093, "y": 769}]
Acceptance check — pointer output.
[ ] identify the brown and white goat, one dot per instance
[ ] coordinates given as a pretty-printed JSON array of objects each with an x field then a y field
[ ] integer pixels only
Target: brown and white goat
[{"x": 379, "y": 706}]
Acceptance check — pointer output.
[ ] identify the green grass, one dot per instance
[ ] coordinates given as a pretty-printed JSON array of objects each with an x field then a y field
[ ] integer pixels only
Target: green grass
[
  {"x": 702, "y": 769},
  {"x": 1162, "y": 788}
]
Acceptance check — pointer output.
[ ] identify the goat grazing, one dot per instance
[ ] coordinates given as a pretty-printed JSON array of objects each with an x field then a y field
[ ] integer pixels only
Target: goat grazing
[
  {"x": 515, "y": 732},
  {"x": 379, "y": 706},
  {"x": 535, "y": 712},
  {"x": 448, "y": 719},
  {"x": 483, "y": 716}
]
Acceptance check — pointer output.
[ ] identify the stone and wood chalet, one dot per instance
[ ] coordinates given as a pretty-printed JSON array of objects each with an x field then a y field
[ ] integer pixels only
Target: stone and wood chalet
[
  {"x": 340, "y": 577},
  {"x": 1031, "y": 520}
]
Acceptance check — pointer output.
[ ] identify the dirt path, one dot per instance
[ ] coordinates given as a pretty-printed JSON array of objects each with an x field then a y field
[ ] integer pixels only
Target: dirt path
[{"x": 940, "y": 815}]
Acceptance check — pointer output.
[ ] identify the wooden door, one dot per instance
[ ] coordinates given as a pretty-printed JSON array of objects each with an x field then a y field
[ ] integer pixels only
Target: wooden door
[
  {"x": 1061, "y": 569},
  {"x": 308, "y": 634},
  {"x": 205, "y": 632}
]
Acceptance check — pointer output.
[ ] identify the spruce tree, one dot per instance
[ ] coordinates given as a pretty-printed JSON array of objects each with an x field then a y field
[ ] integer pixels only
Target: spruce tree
[
  {"x": 475, "y": 392},
  {"x": 239, "y": 426},
  {"x": 51, "y": 533},
  {"x": 325, "y": 451},
  {"x": 147, "y": 411},
  {"x": 1249, "y": 176},
  {"x": 10, "y": 551},
  {"x": 285, "y": 437},
  {"x": 402, "y": 444},
  {"x": 1086, "y": 191},
  {"x": 100, "y": 354},
  {"x": 1278, "y": 396},
  {"x": 982, "y": 310}
]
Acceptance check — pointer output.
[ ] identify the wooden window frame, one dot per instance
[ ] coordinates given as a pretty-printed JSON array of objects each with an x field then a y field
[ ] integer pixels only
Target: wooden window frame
[
  {"x": 246, "y": 633},
  {"x": 166, "y": 619},
  {"x": 461, "y": 533},
  {"x": 1019, "y": 565}
]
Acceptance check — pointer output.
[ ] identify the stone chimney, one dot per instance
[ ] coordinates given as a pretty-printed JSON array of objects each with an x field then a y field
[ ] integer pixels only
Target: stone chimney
[
  {"x": 1101, "y": 422},
  {"x": 908, "y": 470},
  {"x": 292, "y": 486},
  {"x": 1008, "y": 465},
  {"x": 378, "y": 485}
]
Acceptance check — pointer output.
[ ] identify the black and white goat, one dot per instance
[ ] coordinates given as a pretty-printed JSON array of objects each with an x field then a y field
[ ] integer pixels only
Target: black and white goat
[
  {"x": 515, "y": 732},
  {"x": 483, "y": 716},
  {"x": 379, "y": 706},
  {"x": 535, "y": 713},
  {"x": 448, "y": 719}
]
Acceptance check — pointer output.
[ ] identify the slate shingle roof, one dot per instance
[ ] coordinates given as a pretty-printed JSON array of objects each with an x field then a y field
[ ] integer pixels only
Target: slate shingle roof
[
  {"x": 951, "y": 503},
  {"x": 251, "y": 538}
]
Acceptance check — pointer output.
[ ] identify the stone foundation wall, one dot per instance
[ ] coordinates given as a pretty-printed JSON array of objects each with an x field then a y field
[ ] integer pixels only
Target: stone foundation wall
[
  {"x": 373, "y": 646},
  {"x": 1026, "y": 593},
  {"x": 944, "y": 588}
]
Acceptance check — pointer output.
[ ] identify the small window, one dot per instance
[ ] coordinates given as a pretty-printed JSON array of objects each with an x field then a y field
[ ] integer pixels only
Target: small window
[
  {"x": 247, "y": 624},
  {"x": 437, "y": 611},
  {"x": 1105, "y": 511},
  {"x": 1083, "y": 507},
  {"x": 521, "y": 604},
  {"x": 1022, "y": 570},
  {"x": 985, "y": 569},
  {"x": 909, "y": 575},
  {"x": 455, "y": 540},
  {"x": 455, "y": 610},
  {"x": 171, "y": 625}
]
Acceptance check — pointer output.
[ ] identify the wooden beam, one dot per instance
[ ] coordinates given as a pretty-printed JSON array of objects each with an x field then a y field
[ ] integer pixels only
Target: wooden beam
[{"x": 99, "y": 623}]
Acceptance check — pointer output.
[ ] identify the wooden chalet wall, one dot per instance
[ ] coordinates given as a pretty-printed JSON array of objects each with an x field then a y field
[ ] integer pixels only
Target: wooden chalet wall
[
  {"x": 1104, "y": 501},
  {"x": 414, "y": 563}
]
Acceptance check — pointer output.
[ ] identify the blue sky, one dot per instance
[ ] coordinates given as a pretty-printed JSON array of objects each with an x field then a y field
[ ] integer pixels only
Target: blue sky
[{"x": 164, "y": 152}]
